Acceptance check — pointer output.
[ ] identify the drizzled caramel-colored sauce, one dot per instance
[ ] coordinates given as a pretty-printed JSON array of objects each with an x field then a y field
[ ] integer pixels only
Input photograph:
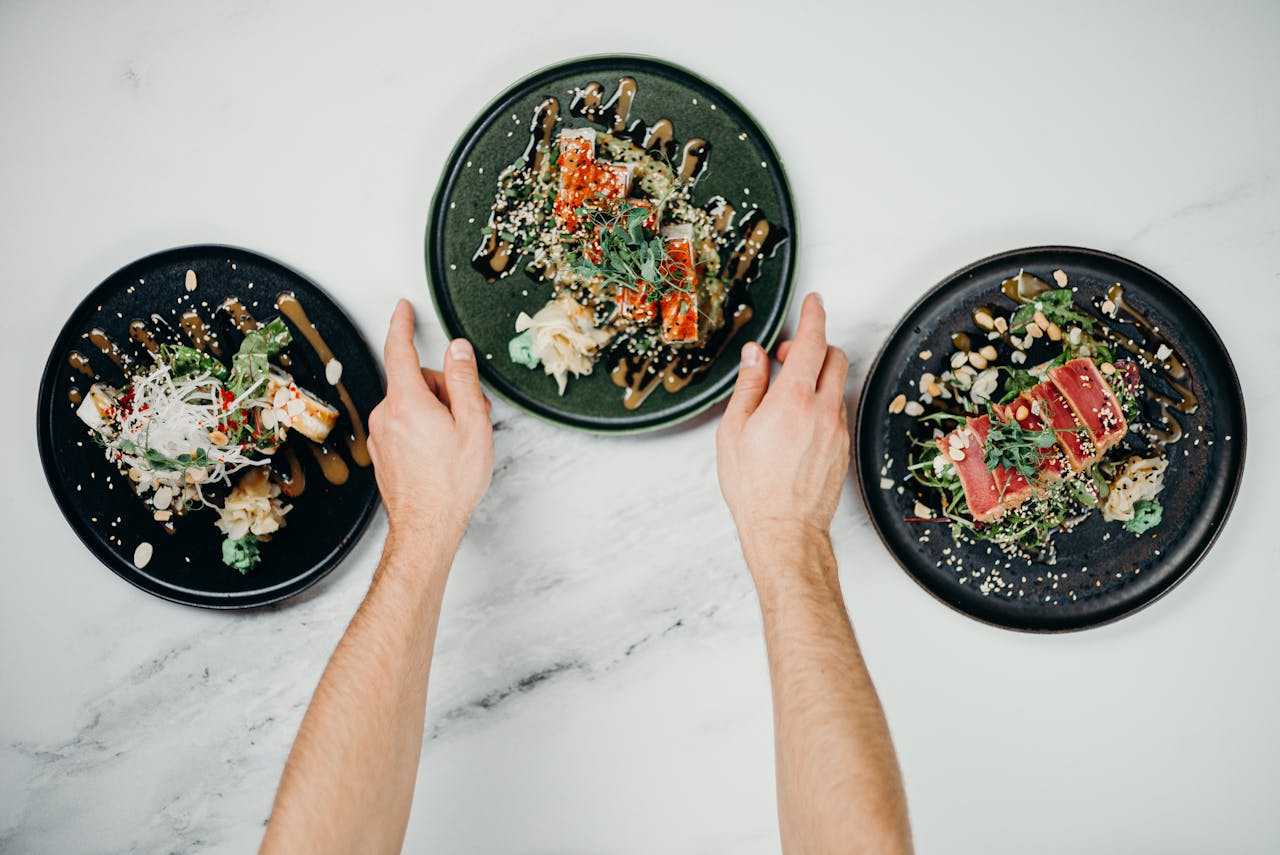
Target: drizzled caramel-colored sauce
[
  {"x": 109, "y": 348},
  {"x": 358, "y": 440},
  {"x": 332, "y": 466},
  {"x": 138, "y": 332},
  {"x": 641, "y": 373},
  {"x": 760, "y": 240},
  {"x": 80, "y": 363},
  {"x": 198, "y": 332},
  {"x": 74, "y": 395},
  {"x": 288, "y": 470}
]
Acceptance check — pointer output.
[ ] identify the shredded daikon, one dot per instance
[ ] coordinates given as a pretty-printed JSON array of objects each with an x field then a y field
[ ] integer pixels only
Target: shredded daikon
[{"x": 163, "y": 437}]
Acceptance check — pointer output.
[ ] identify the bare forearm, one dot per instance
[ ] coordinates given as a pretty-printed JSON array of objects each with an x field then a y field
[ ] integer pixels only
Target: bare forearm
[
  {"x": 839, "y": 788},
  {"x": 348, "y": 785}
]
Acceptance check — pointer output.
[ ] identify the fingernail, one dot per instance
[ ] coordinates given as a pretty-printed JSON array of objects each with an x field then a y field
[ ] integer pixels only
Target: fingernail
[
  {"x": 818, "y": 297},
  {"x": 460, "y": 349},
  {"x": 750, "y": 355}
]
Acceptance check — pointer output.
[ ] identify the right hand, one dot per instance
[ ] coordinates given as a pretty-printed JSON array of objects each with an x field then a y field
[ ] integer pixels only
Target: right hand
[
  {"x": 430, "y": 437},
  {"x": 783, "y": 449}
]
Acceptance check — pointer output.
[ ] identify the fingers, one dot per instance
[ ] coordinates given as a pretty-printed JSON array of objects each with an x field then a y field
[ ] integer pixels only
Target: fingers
[
  {"x": 783, "y": 350},
  {"x": 753, "y": 382},
  {"x": 435, "y": 382},
  {"x": 808, "y": 350},
  {"x": 400, "y": 355},
  {"x": 462, "y": 382},
  {"x": 832, "y": 377}
]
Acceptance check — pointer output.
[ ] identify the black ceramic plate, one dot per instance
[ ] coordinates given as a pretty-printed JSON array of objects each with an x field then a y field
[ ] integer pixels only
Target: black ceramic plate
[
  {"x": 1102, "y": 571},
  {"x": 742, "y": 167},
  {"x": 186, "y": 567}
]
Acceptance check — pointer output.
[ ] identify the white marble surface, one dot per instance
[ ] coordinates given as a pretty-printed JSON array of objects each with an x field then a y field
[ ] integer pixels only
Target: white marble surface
[{"x": 598, "y": 690}]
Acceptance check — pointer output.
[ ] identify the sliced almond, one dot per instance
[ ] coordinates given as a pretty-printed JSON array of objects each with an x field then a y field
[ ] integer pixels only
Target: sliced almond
[
  {"x": 1033, "y": 331},
  {"x": 217, "y": 437},
  {"x": 162, "y": 498},
  {"x": 913, "y": 408},
  {"x": 1107, "y": 368},
  {"x": 988, "y": 353},
  {"x": 977, "y": 360},
  {"x": 958, "y": 358},
  {"x": 923, "y": 511},
  {"x": 1022, "y": 412},
  {"x": 135, "y": 474},
  {"x": 926, "y": 380},
  {"x": 926, "y": 354},
  {"x": 1054, "y": 332},
  {"x": 934, "y": 389},
  {"x": 1060, "y": 277},
  {"x": 1109, "y": 308},
  {"x": 1041, "y": 320},
  {"x": 897, "y": 404},
  {"x": 983, "y": 319},
  {"x": 956, "y": 454},
  {"x": 162, "y": 516},
  {"x": 1002, "y": 325}
]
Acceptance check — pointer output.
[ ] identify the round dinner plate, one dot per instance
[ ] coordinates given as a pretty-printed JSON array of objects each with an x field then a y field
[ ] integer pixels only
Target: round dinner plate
[
  {"x": 742, "y": 167},
  {"x": 1102, "y": 572},
  {"x": 329, "y": 513}
]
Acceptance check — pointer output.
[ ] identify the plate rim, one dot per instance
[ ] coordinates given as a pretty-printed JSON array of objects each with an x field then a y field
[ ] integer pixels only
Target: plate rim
[
  {"x": 861, "y": 425},
  {"x": 44, "y": 401},
  {"x": 448, "y": 178}
]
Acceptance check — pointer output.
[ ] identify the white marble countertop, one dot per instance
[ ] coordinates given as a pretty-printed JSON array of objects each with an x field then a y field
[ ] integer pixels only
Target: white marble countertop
[{"x": 594, "y": 693}]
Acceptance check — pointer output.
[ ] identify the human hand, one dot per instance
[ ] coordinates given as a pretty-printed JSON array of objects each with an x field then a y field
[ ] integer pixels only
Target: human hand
[
  {"x": 430, "y": 437},
  {"x": 783, "y": 449}
]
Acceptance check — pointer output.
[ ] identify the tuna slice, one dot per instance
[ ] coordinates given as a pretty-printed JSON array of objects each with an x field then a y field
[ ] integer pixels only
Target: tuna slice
[
  {"x": 1057, "y": 415},
  {"x": 980, "y": 491},
  {"x": 1012, "y": 488},
  {"x": 1052, "y": 463},
  {"x": 1092, "y": 401}
]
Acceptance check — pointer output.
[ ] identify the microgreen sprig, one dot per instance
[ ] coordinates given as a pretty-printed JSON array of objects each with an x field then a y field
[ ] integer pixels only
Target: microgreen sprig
[{"x": 629, "y": 253}]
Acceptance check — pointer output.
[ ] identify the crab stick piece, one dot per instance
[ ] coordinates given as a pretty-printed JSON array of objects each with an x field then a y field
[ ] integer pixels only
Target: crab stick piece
[{"x": 680, "y": 308}]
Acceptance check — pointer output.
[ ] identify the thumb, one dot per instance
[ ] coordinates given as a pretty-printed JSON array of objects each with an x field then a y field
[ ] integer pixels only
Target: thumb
[
  {"x": 753, "y": 382},
  {"x": 461, "y": 379}
]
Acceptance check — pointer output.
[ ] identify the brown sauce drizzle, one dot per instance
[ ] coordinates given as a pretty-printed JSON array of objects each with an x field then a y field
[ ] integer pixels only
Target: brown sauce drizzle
[
  {"x": 290, "y": 476},
  {"x": 1171, "y": 371},
  {"x": 641, "y": 373},
  {"x": 332, "y": 466},
  {"x": 109, "y": 348},
  {"x": 80, "y": 363},
  {"x": 760, "y": 241},
  {"x": 74, "y": 395},
  {"x": 198, "y": 332},
  {"x": 138, "y": 332},
  {"x": 357, "y": 440}
]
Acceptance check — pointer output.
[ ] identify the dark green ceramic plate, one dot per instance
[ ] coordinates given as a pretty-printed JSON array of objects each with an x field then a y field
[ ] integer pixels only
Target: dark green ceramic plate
[{"x": 742, "y": 167}]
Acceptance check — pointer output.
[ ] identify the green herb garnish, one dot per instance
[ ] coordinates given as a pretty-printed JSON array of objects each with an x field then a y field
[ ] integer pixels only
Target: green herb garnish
[
  {"x": 629, "y": 253},
  {"x": 249, "y": 365},
  {"x": 1016, "y": 448}
]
